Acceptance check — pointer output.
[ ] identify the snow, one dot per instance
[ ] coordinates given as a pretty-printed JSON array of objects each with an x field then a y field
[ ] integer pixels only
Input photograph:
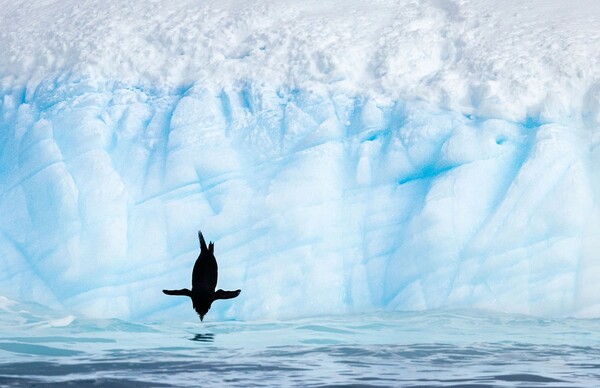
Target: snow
[{"x": 344, "y": 157}]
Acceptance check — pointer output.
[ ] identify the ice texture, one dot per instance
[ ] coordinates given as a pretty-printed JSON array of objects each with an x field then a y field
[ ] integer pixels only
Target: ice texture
[{"x": 344, "y": 157}]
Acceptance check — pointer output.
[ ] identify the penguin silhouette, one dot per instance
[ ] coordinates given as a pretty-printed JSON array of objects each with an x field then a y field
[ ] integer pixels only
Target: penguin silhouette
[{"x": 204, "y": 281}]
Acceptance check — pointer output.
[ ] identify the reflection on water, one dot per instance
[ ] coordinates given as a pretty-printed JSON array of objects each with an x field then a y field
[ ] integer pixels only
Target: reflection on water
[
  {"x": 435, "y": 348},
  {"x": 206, "y": 337}
]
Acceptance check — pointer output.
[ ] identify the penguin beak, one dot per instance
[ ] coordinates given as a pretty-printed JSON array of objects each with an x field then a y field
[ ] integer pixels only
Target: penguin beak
[{"x": 201, "y": 318}]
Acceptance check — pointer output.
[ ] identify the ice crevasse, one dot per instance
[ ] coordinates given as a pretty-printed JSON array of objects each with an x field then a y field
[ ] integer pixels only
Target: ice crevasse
[{"x": 344, "y": 157}]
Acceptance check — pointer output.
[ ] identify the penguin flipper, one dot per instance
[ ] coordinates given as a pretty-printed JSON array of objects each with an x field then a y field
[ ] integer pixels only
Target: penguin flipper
[
  {"x": 184, "y": 292},
  {"x": 220, "y": 294}
]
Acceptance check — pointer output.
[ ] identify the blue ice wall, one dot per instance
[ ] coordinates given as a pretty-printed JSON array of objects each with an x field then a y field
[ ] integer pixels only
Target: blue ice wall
[{"x": 317, "y": 203}]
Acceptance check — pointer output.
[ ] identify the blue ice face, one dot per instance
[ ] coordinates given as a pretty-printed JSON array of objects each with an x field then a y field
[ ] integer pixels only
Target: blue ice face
[
  {"x": 400, "y": 156},
  {"x": 316, "y": 203}
]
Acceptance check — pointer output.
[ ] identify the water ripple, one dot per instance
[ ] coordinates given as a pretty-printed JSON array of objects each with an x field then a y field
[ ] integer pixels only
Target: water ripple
[{"x": 404, "y": 349}]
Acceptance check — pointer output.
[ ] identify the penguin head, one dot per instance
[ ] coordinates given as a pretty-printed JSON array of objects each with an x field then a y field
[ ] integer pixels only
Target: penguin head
[
  {"x": 201, "y": 307},
  {"x": 201, "y": 312}
]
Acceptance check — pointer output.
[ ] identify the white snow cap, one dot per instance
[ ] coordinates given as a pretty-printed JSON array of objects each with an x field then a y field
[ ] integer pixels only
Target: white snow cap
[{"x": 507, "y": 60}]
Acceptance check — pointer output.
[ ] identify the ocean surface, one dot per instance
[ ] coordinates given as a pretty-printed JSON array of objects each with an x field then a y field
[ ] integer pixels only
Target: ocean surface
[{"x": 403, "y": 349}]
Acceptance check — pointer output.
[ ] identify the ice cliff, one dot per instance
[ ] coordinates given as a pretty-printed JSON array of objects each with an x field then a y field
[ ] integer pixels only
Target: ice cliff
[{"x": 344, "y": 156}]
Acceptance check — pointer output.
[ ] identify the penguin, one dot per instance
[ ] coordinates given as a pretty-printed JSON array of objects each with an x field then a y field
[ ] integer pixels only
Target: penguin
[{"x": 204, "y": 281}]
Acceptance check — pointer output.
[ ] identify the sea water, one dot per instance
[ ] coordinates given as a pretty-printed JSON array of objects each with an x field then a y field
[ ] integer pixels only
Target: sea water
[{"x": 429, "y": 348}]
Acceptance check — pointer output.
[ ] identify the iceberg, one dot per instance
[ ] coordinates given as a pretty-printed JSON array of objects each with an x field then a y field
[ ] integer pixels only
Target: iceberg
[{"x": 394, "y": 156}]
